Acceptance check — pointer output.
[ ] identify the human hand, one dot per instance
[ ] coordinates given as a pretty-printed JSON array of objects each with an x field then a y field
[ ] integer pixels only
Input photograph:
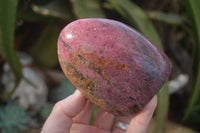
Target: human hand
[{"x": 72, "y": 115}]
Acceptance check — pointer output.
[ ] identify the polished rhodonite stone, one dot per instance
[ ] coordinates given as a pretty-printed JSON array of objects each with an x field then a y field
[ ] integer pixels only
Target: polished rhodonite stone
[{"x": 113, "y": 65}]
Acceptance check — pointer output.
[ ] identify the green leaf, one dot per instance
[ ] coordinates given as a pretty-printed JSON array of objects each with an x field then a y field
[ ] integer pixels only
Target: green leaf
[
  {"x": 29, "y": 15},
  {"x": 195, "y": 8},
  {"x": 94, "y": 112},
  {"x": 138, "y": 17},
  {"x": 87, "y": 8},
  {"x": 45, "y": 50},
  {"x": 169, "y": 18},
  {"x": 7, "y": 28},
  {"x": 162, "y": 109},
  {"x": 57, "y": 9}
]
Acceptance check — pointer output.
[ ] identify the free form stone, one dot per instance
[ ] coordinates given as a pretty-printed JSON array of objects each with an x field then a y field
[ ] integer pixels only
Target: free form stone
[{"x": 113, "y": 65}]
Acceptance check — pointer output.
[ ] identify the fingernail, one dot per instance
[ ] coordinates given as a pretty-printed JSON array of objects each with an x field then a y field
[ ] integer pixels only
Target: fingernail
[{"x": 77, "y": 93}]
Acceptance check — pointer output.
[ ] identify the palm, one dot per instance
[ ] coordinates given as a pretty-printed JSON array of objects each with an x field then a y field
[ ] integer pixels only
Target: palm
[
  {"x": 103, "y": 123},
  {"x": 81, "y": 128},
  {"x": 72, "y": 115}
]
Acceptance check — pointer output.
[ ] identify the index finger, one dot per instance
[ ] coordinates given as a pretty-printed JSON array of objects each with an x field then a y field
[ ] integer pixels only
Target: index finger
[{"x": 60, "y": 119}]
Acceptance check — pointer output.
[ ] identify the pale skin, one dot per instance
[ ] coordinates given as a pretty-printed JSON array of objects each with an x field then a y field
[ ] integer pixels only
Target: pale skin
[{"x": 72, "y": 115}]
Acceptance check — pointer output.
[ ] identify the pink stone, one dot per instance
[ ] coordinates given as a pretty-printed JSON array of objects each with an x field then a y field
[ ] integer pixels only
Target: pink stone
[{"x": 113, "y": 65}]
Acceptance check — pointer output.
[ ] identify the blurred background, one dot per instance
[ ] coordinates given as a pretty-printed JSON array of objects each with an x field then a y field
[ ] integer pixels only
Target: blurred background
[{"x": 31, "y": 80}]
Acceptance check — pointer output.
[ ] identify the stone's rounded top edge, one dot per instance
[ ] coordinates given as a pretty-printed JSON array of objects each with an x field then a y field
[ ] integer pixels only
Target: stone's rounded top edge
[
  {"x": 94, "y": 19},
  {"x": 106, "y": 20},
  {"x": 109, "y": 21}
]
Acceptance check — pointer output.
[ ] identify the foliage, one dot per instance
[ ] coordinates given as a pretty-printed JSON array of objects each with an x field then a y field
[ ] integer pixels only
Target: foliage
[
  {"x": 194, "y": 118},
  {"x": 94, "y": 112},
  {"x": 194, "y": 5},
  {"x": 7, "y": 28},
  {"x": 13, "y": 118},
  {"x": 45, "y": 46},
  {"x": 169, "y": 18},
  {"x": 33, "y": 26},
  {"x": 55, "y": 9},
  {"x": 87, "y": 8}
]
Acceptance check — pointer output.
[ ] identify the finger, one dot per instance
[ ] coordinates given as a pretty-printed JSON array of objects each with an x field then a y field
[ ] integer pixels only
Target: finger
[
  {"x": 104, "y": 120},
  {"x": 81, "y": 128},
  {"x": 122, "y": 119},
  {"x": 60, "y": 119},
  {"x": 85, "y": 115},
  {"x": 141, "y": 120},
  {"x": 126, "y": 119},
  {"x": 118, "y": 130}
]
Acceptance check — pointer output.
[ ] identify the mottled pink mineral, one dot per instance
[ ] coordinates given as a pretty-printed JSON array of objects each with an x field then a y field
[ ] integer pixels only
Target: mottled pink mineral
[{"x": 113, "y": 65}]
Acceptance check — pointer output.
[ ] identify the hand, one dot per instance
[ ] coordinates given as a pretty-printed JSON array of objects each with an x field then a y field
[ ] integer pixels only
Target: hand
[{"x": 72, "y": 115}]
